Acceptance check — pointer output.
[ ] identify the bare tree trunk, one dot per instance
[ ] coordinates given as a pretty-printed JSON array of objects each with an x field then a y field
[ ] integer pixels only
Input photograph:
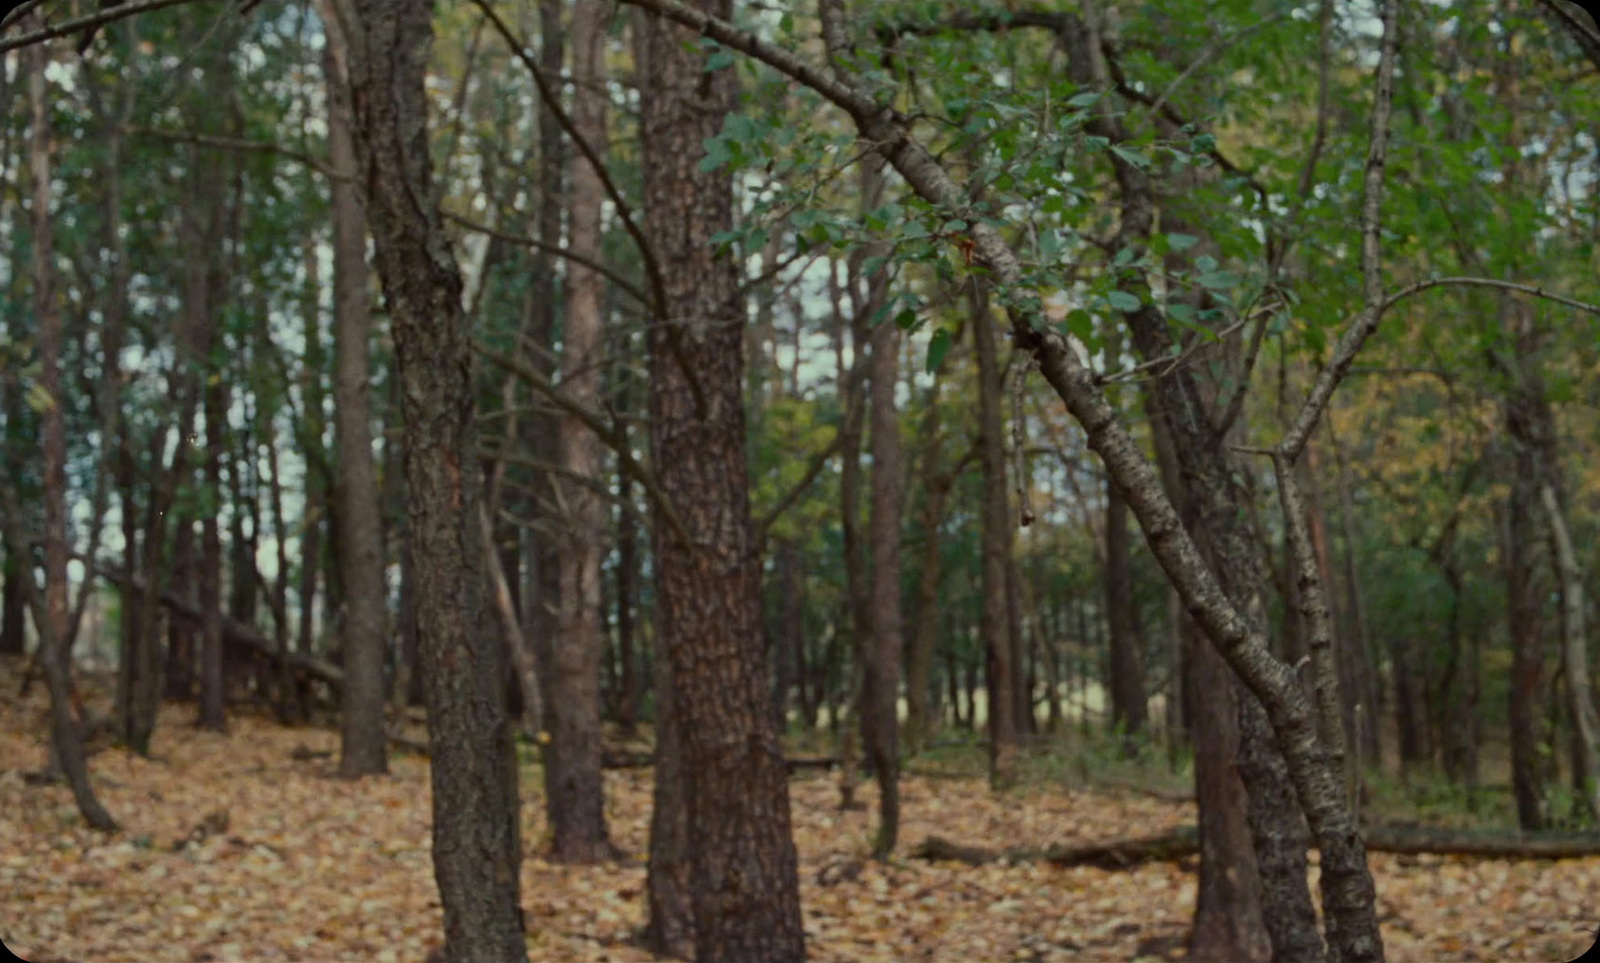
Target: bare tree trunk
[
  {"x": 574, "y": 794},
  {"x": 925, "y": 633},
  {"x": 476, "y": 837},
  {"x": 883, "y": 647},
  {"x": 363, "y": 746},
  {"x": 743, "y": 865},
  {"x": 1128, "y": 710},
  {"x": 994, "y": 621},
  {"x": 50, "y": 615},
  {"x": 1574, "y": 658}
]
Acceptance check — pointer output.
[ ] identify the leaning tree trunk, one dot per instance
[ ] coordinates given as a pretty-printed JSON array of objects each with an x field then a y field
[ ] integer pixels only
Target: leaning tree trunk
[
  {"x": 743, "y": 866},
  {"x": 363, "y": 747},
  {"x": 574, "y": 793},
  {"x": 475, "y": 831},
  {"x": 50, "y": 614},
  {"x": 1575, "y": 659}
]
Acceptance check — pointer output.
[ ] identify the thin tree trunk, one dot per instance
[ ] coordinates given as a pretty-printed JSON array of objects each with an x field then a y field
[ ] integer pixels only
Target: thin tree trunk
[
  {"x": 925, "y": 633},
  {"x": 1128, "y": 712},
  {"x": 1575, "y": 659},
  {"x": 476, "y": 838},
  {"x": 994, "y": 620},
  {"x": 574, "y": 794},
  {"x": 743, "y": 866},
  {"x": 50, "y": 614},
  {"x": 883, "y": 647},
  {"x": 363, "y": 746}
]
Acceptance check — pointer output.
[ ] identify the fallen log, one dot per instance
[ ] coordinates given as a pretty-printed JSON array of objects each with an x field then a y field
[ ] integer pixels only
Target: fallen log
[
  {"x": 234, "y": 633},
  {"x": 1184, "y": 843},
  {"x": 644, "y": 760}
]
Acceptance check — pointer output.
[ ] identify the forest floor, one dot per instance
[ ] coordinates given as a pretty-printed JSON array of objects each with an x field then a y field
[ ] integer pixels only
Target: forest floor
[{"x": 281, "y": 860}]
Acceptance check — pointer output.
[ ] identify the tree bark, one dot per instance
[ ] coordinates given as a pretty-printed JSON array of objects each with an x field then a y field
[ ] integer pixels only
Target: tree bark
[
  {"x": 475, "y": 825},
  {"x": 670, "y": 931},
  {"x": 743, "y": 867},
  {"x": 1525, "y": 600},
  {"x": 994, "y": 617},
  {"x": 574, "y": 794},
  {"x": 883, "y": 664},
  {"x": 1575, "y": 658},
  {"x": 50, "y": 614},
  {"x": 925, "y": 633},
  {"x": 363, "y": 747},
  {"x": 1128, "y": 702}
]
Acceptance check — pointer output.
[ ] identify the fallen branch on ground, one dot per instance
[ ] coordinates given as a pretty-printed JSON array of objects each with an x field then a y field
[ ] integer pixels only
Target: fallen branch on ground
[{"x": 1185, "y": 842}]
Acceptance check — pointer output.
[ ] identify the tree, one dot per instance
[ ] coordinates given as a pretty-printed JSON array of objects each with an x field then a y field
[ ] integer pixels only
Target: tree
[
  {"x": 574, "y": 794},
  {"x": 743, "y": 869},
  {"x": 364, "y": 745},
  {"x": 475, "y": 831}
]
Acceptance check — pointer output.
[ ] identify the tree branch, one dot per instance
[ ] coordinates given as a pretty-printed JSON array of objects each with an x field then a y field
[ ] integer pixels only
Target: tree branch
[
  {"x": 93, "y": 20},
  {"x": 622, "y": 283},
  {"x": 596, "y": 424}
]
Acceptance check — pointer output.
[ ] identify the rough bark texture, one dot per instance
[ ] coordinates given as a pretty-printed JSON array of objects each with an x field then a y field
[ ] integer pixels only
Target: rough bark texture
[
  {"x": 670, "y": 931},
  {"x": 476, "y": 853},
  {"x": 363, "y": 747},
  {"x": 574, "y": 794},
  {"x": 743, "y": 868},
  {"x": 994, "y": 621}
]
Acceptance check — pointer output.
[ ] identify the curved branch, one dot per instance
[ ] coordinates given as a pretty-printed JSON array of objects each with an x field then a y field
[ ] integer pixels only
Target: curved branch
[
  {"x": 622, "y": 283},
  {"x": 591, "y": 420}
]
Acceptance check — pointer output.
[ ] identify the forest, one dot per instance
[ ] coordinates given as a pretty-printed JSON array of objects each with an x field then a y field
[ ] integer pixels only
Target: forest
[{"x": 738, "y": 480}]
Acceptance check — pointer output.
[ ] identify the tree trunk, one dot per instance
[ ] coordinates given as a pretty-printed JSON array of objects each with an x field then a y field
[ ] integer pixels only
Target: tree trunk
[
  {"x": 994, "y": 618},
  {"x": 925, "y": 633},
  {"x": 1525, "y": 603},
  {"x": 543, "y": 600},
  {"x": 1127, "y": 665},
  {"x": 627, "y": 597},
  {"x": 364, "y": 745},
  {"x": 1575, "y": 659},
  {"x": 50, "y": 615},
  {"x": 12, "y": 617},
  {"x": 475, "y": 826},
  {"x": 574, "y": 794},
  {"x": 670, "y": 931},
  {"x": 743, "y": 867},
  {"x": 883, "y": 647}
]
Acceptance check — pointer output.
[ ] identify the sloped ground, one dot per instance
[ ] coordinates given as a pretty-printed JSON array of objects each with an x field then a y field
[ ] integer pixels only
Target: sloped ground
[{"x": 310, "y": 867}]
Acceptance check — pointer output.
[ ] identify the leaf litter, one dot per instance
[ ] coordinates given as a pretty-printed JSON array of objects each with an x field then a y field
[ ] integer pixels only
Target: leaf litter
[{"x": 246, "y": 846}]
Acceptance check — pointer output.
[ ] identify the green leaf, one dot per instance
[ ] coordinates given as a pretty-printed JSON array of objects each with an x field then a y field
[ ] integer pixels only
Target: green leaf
[
  {"x": 1080, "y": 325},
  {"x": 906, "y": 319},
  {"x": 1084, "y": 99},
  {"x": 786, "y": 23},
  {"x": 1218, "y": 280},
  {"x": 873, "y": 264},
  {"x": 719, "y": 60},
  {"x": 1182, "y": 242},
  {"x": 1206, "y": 263},
  {"x": 1131, "y": 156},
  {"x": 1181, "y": 313},
  {"x": 938, "y": 347},
  {"x": 1096, "y": 143},
  {"x": 717, "y": 154},
  {"x": 1124, "y": 301}
]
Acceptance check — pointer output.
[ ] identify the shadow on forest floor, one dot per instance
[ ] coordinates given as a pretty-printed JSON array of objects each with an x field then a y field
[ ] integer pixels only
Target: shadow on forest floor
[{"x": 281, "y": 861}]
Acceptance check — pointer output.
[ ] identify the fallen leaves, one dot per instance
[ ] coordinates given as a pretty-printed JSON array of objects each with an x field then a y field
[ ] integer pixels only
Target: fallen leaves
[{"x": 295, "y": 865}]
